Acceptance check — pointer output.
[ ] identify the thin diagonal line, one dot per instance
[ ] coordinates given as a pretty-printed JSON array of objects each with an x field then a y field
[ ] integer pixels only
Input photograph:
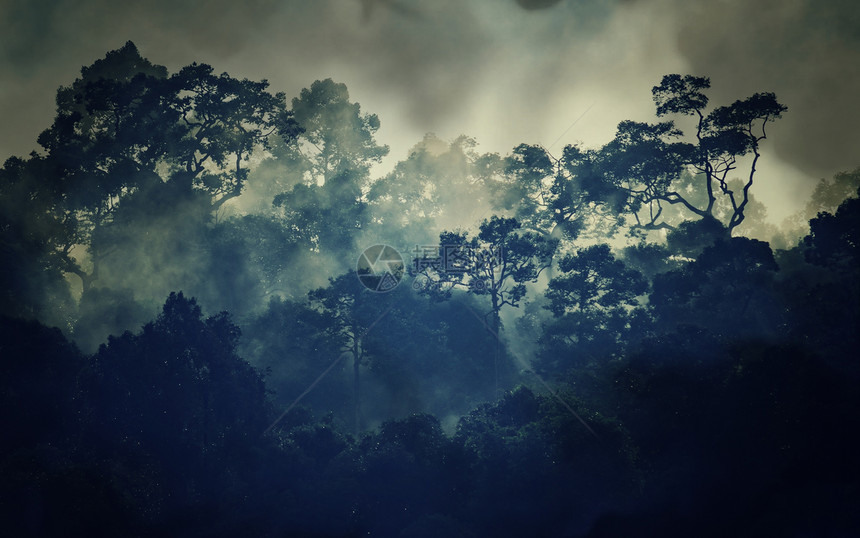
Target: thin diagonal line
[
  {"x": 305, "y": 393},
  {"x": 537, "y": 375},
  {"x": 571, "y": 127},
  {"x": 327, "y": 370}
]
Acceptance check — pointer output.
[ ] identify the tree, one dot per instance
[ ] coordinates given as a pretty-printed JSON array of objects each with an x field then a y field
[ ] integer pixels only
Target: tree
[
  {"x": 527, "y": 452},
  {"x": 826, "y": 198},
  {"x": 47, "y": 467},
  {"x": 125, "y": 127},
  {"x": 834, "y": 239},
  {"x": 593, "y": 278},
  {"x": 329, "y": 163},
  {"x": 36, "y": 234},
  {"x": 405, "y": 453},
  {"x": 592, "y": 302},
  {"x": 179, "y": 389},
  {"x": 351, "y": 310},
  {"x": 498, "y": 262},
  {"x": 556, "y": 197},
  {"x": 728, "y": 288},
  {"x": 819, "y": 287},
  {"x": 325, "y": 218},
  {"x": 652, "y": 165},
  {"x": 438, "y": 185},
  {"x": 336, "y": 136},
  {"x": 106, "y": 141},
  {"x": 222, "y": 122}
]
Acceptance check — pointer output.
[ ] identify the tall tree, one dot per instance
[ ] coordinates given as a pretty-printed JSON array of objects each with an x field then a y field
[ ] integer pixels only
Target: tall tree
[
  {"x": 437, "y": 186},
  {"x": 178, "y": 389},
  {"x": 592, "y": 301},
  {"x": 36, "y": 236},
  {"x": 498, "y": 262},
  {"x": 820, "y": 289},
  {"x": 556, "y": 197},
  {"x": 109, "y": 135},
  {"x": 834, "y": 238},
  {"x": 352, "y": 310},
  {"x": 652, "y": 164},
  {"x": 330, "y": 163},
  {"x": 336, "y": 136},
  {"x": 125, "y": 127},
  {"x": 222, "y": 122}
]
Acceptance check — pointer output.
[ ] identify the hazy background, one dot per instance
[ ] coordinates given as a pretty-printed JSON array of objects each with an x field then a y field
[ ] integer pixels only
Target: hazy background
[{"x": 491, "y": 69}]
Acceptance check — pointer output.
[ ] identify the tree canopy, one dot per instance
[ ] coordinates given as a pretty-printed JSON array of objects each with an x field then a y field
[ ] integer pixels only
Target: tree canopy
[{"x": 585, "y": 344}]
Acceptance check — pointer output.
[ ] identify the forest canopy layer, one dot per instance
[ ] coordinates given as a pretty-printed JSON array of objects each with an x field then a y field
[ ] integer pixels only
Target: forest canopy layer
[{"x": 221, "y": 315}]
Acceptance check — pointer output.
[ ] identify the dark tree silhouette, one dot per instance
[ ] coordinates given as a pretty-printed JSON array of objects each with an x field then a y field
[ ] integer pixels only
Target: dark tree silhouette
[
  {"x": 336, "y": 137},
  {"x": 352, "y": 310},
  {"x": 650, "y": 164},
  {"x": 728, "y": 288},
  {"x": 36, "y": 233},
  {"x": 126, "y": 126},
  {"x": 556, "y": 197},
  {"x": 498, "y": 262},
  {"x": 593, "y": 302},
  {"x": 834, "y": 239},
  {"x": 178, "y": 390},
  {"x": 329, "y": 163}
]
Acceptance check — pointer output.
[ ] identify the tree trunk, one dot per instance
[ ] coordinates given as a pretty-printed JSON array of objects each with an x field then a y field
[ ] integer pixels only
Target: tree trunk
[
  {"x": 87, "y": 279},
  {"x": 497, "y": 322},
  {"x": 497, "y": 325},
  {"x": 356, "y": 386}
]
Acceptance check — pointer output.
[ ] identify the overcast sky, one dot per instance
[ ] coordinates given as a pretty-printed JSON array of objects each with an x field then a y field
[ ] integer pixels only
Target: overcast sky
[{"x": 491, "y": 69}]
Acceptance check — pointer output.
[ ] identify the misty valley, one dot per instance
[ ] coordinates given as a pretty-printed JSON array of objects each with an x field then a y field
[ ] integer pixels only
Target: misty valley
[{"x": 225, "y": 311}]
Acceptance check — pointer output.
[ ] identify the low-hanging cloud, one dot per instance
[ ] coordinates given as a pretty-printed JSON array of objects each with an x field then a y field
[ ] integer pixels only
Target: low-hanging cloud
[
  {"x": 426, "y": 62},
  {"x": 537, "y": 4},
  {"x": 486, "y": 68},
  {"x": 807, "y": 52}
]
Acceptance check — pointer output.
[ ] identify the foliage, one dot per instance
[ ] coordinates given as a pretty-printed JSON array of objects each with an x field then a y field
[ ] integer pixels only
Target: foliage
[
  {"x": 647, "y": 163},
  {"x": 729, "y": 288},
  {"x": 331, "y": 159},
  {"x": 127, "y": 126},
  {"x": 704, "y": 385},
  {"x": 555, "y": 197},
  {"x": 594, "y": 302},
  {"x": 498, "y": 262},
  {"x": 438, "y": 186}
]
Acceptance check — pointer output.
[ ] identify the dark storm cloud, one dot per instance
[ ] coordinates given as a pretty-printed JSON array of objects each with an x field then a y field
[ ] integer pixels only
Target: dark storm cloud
[
  {"x": 426, "y": 60},
  {"x": 424, "y": 55},
  {"x": 537, "y": 4},
  {"x": 480, "y": 67},
  {"x": 807, "y": 52},
  {"x": 45, "y": 43}
]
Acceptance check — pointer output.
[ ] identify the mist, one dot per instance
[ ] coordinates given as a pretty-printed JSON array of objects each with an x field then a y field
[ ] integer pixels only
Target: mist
[
  {"x": 406, "y": 269},
  {"x": 484, "y": 69}
]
